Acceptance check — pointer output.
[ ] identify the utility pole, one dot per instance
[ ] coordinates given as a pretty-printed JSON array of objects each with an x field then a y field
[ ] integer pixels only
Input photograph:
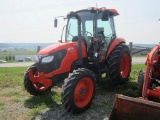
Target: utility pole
[
  {"x": 38, "y": 48},
  {"x": 130, "y": 48}
]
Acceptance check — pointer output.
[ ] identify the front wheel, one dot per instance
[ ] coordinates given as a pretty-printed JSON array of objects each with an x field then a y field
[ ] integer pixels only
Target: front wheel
[
  {"x": 119, "y": 64},
  {"x": 78, "y": 91}
]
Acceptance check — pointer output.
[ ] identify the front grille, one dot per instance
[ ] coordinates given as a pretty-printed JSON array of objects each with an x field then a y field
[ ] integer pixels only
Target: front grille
[{"x": 54, "y": 65}]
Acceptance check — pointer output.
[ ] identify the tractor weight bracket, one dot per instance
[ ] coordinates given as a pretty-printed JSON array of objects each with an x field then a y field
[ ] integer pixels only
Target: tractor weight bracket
[{"x": 40, "y": 78}]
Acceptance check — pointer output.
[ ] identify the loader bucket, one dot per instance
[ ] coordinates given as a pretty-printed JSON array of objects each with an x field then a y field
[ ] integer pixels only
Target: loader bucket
[{"x": 127, "y": 108}]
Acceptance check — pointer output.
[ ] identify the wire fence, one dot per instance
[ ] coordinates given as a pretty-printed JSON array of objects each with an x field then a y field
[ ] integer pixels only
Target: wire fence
[{"x": 139, "y": 50}]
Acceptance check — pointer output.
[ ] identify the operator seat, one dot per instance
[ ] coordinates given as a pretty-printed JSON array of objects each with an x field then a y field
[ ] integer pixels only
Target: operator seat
[
  {"x": 100, "y": 34},
  {"x": 93, "y": 51},
  {"x": 100, "y": 29}
]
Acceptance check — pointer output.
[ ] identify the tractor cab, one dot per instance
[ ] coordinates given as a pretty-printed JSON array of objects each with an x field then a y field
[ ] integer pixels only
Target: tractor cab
[{"x": 94, "y": 27}]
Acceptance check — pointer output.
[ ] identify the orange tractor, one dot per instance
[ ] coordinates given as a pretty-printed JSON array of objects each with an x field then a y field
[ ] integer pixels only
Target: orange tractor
[
  {"x": 91, "y": 52},
  {"x": 127, "y": 108},
  {"x": 148, "y": 80}
]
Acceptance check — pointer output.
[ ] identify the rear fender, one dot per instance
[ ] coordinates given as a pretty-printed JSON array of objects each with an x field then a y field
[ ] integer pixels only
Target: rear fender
[{"x": 113, "y": 44}]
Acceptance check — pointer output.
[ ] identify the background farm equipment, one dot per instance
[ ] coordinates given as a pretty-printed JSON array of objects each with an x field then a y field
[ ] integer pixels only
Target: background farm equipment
[
  {"x": 148, "y": 80},
  {"x": 127, "y": 108}
]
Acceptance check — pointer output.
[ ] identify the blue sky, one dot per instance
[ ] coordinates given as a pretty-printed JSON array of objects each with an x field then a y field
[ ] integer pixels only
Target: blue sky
[{"x": 33, "y": 20}]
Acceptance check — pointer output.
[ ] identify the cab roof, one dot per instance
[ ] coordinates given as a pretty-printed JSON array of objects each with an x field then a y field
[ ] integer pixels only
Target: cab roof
[{"x": 113, "y": 12}]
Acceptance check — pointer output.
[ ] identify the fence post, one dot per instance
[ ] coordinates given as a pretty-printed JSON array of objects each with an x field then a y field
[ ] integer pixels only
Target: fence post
[
  {"x": 38, "y": 48},
  {"x": 130, "y": 48}
]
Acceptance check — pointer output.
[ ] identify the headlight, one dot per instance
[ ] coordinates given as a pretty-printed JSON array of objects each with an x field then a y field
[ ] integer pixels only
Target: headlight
[{"x": 47, "y": 59}]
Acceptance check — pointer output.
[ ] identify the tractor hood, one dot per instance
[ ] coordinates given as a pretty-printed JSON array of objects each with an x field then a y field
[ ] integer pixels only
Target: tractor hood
[
  {"x": 51, "y": 58},
  {"x": 55, "y": 47}
]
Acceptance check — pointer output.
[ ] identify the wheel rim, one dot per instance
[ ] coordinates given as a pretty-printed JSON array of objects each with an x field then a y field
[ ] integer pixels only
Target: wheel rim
[
  {"x": 83, "y": 92},
  {"x": 124, "y": 65}
]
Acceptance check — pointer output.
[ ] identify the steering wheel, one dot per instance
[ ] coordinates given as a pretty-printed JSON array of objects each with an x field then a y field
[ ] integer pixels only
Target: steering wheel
[
  {"x": 75, "y": 38},
  {"x": 86, "y": 33},
  {"x": 109, "y": 36}
]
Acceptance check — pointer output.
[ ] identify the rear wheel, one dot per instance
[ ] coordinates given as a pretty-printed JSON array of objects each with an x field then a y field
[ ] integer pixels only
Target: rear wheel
[
  {"x": 78, "y": 91},
  {"x": 140, "y": 83},
  {"x": 28, "y": 85},
  {"x": 119, "y": 64}
]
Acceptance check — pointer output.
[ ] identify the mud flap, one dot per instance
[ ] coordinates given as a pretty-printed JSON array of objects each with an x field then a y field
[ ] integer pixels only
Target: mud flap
[{"x": 127, "y": 108}]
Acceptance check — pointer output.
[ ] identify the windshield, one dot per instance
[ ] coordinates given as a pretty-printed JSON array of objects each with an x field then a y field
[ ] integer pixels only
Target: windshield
[
  {"x": 91, "y": 26},
  {"x": 87, "y": 22}
]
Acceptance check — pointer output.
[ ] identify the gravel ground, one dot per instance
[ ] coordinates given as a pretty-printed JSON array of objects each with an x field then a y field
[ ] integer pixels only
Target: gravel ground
[{"x": 100, "y": 109}]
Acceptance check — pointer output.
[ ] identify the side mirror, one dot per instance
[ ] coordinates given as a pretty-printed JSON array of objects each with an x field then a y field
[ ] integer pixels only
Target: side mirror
[
  {"x": 105, "y": 15},
  {"x": 55, "y": 22}
]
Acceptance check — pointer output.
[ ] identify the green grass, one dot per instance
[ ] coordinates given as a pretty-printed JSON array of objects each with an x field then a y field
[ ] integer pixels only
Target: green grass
[
  {"x": 38, "y": 103},
  {"x": 135, "y": 70},
  {"x": 13, "y": 92},
  {"x": 11, "y": 77},
  {"x": 46, "y": 100},
  {"x": 11, "y": 86},
  {"x": 2, "y": 104},
  {"x": 10, "y": 93},
  {"x": 34, "y": 112},
  {"x": 16, "y": 100}
]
